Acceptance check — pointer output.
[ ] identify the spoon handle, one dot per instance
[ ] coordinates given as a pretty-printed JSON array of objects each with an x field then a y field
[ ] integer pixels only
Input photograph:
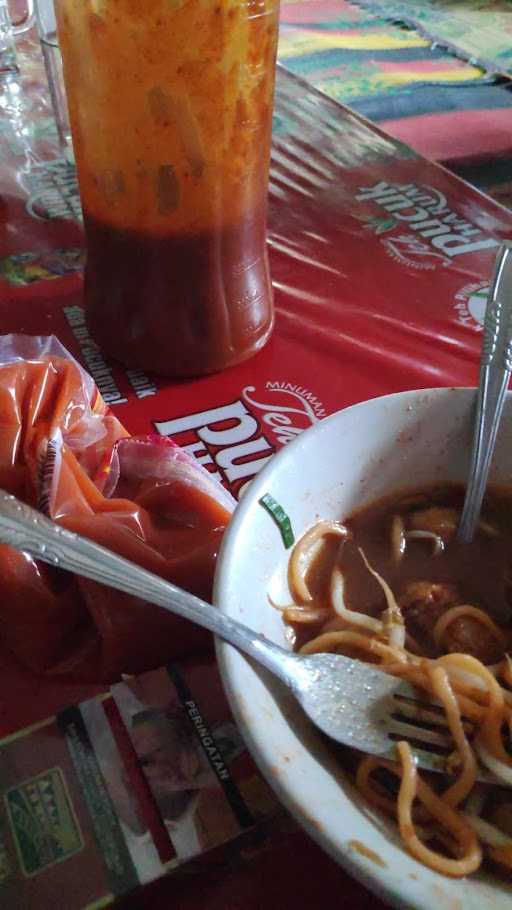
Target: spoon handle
[
  {"x": 30, "y": 532},
  {"x": 495, "y": 369}
]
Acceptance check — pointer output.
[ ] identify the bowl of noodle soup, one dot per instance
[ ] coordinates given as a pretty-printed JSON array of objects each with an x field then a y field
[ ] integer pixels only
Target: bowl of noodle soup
[{"x": 398, "y": 462}]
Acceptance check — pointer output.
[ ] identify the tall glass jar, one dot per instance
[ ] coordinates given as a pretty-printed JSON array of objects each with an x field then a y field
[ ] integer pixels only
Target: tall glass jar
[{"x": 171, "y": 106}]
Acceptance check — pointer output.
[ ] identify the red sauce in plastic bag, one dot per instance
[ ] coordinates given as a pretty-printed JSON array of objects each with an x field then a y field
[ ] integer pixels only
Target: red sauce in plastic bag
[{"x": 144, "y": 498}]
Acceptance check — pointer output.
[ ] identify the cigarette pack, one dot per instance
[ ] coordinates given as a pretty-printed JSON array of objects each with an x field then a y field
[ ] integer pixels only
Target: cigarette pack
[{"x": 116, "y": 791}]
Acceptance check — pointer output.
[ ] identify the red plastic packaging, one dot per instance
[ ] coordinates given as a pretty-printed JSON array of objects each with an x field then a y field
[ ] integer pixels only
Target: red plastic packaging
[{"x": 145, "y": 498}]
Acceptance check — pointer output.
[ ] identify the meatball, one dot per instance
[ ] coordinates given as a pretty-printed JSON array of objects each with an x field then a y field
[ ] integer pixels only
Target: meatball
[
  {"x": 428, "y": 599},
  {"x": 466, "y": 635},
  {"x": 422, "y": 603}
]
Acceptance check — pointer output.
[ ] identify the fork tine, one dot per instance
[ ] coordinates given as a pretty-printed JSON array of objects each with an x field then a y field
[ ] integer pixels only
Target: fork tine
[
  {"x": 417, "y": 711},
  {"x": 420, "y": 734},
  {"x": 361, "y": 706}
]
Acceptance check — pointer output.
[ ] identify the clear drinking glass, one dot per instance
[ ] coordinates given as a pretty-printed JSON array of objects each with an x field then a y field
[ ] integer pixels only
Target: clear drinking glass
[
  {"x": 171, "y": 111},
  {"x": 47, "y": 30},
  {"x": 9, "y": 29}
]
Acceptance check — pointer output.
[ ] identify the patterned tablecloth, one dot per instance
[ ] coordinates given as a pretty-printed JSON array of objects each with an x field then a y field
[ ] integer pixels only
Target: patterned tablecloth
[
  {"x": 478, "y": 30},
  {"x": 352, "y": 54},
  {"x": 417, "y": 89}
]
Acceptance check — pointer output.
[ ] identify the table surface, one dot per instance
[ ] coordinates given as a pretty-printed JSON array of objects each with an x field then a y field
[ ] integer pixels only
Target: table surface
[{"x": 380, "y": 262}]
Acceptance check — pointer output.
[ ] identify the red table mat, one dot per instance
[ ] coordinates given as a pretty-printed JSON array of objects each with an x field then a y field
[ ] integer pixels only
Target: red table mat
[{"x": 380, "y": 262}]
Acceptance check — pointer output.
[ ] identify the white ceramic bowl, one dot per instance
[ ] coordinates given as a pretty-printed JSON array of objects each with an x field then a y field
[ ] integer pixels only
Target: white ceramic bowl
[{"x": 347, "y": 460}]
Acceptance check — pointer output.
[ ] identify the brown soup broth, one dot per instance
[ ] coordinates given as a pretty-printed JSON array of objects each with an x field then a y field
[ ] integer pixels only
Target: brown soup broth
[{"x": 481, "y": 571}]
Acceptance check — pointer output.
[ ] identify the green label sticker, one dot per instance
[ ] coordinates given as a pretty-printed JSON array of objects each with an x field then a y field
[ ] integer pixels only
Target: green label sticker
[{"x": 42, "y": 820}]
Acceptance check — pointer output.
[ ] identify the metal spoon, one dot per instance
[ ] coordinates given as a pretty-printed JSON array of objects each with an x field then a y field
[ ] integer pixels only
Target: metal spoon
[{"x": 495, "y": 370}]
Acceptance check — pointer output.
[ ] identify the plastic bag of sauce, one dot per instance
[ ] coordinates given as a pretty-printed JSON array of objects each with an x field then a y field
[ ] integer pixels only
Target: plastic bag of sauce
[{"x": 143, "y": 497}]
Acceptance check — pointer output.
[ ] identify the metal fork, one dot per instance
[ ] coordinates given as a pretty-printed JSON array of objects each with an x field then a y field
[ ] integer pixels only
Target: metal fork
[{"x": 351, "y": 702}]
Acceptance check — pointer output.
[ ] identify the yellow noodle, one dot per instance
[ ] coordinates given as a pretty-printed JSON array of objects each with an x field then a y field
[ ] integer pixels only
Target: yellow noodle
[
  {"x": 442, "y": 689},
  {"x": 490, "y": 730},
  {"x": 470, "y": 854},
  {"x": 373, "y": 794},
  {"x": 303, "y": 553}
]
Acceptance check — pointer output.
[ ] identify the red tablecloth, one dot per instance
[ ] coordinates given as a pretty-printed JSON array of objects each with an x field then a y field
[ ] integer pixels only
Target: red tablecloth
[{"x": 380, "y": 262}]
